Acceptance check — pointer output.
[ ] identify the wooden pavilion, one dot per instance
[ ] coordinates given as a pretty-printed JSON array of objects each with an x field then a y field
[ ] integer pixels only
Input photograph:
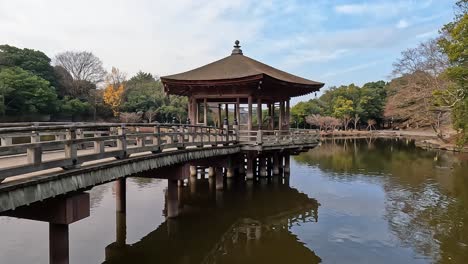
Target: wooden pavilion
[{"x": 237, "y": 82}]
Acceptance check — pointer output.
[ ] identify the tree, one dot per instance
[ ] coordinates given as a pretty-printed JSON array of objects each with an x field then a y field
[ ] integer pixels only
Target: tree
[
  {"x": 315, "y": 120},
  {"x": 74, "y": 107},
  {"x": 26, "y": 92},
  {"x": 82, "y": 65},
  {"x": 454, "y": 43},
  {"x": 419, "y": 70},
  {"x": 301, "y": 110},
  {"x": 371, "y": 123},
  {"x": 114, "y": 97},
  {"x": 343, "y": 109},
  {"x": 356, "y": 120},
  {"x": 126, "y": 117},
  {"x": 33, "y": 61},
  {"x": 116, "y": 77}
]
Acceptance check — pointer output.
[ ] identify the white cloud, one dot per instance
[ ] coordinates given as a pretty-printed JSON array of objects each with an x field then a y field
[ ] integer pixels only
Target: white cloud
[
  {"x": 428, "y": 34},
  {"x": 301, "y": 56},
  {"x": 149, "y": 35},
  {"x": 381, "y": 8},
  {"x": 355, "y": 68},
  {"x": 402, "y": 23}
]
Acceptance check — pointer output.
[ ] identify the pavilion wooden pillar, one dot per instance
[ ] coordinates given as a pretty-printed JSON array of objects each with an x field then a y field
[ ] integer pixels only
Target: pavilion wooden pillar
[
  {"x": 226, "y": 112},
  {"x": 269, "y": 115},
  {"x": 287, "y": 118},
  {"x": 281, "y": 116},
  {"x": 259, "y": 113},
  {"x": 219, "y": 116},
  {"x": 273, "y": 116},
  {"x": 193, "y": 110},
  {"x": 205, "y": 112},
  {"x": 249, "y": 118},
  {"x": 238, "y": 110}
]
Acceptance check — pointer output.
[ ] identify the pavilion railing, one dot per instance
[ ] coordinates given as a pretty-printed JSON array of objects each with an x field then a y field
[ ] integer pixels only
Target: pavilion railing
[
  {"x": 65, "y": 145},
  {"x": 278, "y": 137}
]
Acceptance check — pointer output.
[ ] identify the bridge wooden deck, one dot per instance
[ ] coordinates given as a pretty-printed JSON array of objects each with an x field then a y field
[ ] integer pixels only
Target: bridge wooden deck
[{"x": 41, "y": 160}]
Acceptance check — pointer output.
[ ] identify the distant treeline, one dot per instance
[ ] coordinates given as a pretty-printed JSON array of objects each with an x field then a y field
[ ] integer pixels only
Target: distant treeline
[
  {"x": 429, "y": 89},
  {"x": 74, "y": 86}
]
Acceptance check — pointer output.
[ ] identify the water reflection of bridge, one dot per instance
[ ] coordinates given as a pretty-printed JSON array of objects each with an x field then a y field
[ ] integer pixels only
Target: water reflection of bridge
[{"x": 246, "y": 223}]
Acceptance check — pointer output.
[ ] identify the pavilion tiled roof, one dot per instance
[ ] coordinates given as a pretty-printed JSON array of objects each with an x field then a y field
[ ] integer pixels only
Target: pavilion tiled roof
[{"x": 238, "y": 66}]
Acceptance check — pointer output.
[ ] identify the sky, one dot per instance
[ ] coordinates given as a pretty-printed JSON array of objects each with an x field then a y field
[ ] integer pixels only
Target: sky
[{"x": 335, "y": 42}]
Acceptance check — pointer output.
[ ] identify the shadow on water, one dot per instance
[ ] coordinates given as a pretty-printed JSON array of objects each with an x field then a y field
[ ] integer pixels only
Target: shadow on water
[
  {"x": 426, "y": 192},
  {"x": 244, "y": 224},
  {"x": 247, "y": 222}
]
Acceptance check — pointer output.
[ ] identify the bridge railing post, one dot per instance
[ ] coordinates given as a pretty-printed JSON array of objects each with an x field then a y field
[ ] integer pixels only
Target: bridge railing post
[
  {"x": 71, "y": 151},
  {"x": 140, "y": 139},
  {"x": 191, "y": 135},
  {"x": 122, "y": 141},
  {"x": 98, "y": 145},
  {"x": 6, "y": 141},
  {"x": 156, "y": 139},
  {"x": 181, "y": 135},
  {"x": 225, "y": 131},
  {"x": 259, "y": 137}
]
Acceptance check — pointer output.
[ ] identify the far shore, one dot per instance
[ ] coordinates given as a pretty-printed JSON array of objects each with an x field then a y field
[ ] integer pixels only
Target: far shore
[{"x": 426, "y": 139}]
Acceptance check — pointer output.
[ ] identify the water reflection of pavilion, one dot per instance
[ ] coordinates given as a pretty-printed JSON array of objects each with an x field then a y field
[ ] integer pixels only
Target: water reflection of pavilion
[{"x": 244, "y": 224}]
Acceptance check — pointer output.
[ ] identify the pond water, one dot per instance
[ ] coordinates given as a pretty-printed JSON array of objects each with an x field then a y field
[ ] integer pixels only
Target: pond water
[{"x": 348, "y": 201}]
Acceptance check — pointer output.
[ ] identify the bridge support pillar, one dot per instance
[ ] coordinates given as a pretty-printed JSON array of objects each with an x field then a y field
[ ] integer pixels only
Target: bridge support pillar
[
  {"x": 121, "y": 228},
  {"x": 262, "y": 162},
  {"x": 180, "y": 183},
  {"x": 193, "y": 171},
  {"x": 250, "y": 169},
  {"x": 219, "y": 178},
  {"x": 58, "y": 244},
  {"x": 211, "y": 171},
  {"x": 229, "y": 172},
  {"x": 120, "y": 195},
  {"x": 172, "y": 199},
  {"x": 287, "y": 160},
  {"x": 193, "y": 185},
  {"x": 276, "y": 164}
]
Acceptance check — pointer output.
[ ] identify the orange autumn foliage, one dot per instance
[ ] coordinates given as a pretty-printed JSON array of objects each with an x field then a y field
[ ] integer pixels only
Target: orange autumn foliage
[{"x": 114, "y": 97}]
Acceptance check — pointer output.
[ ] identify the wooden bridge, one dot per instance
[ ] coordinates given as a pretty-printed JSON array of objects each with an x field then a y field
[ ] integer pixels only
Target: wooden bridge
[{"x": 42, "y": 160}]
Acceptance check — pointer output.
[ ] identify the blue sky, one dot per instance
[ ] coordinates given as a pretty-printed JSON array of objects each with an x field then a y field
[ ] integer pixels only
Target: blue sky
[{"x": 336, "y": 42}]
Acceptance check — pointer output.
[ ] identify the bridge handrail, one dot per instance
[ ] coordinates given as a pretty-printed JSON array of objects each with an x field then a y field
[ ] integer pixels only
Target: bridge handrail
[
  {"x": 119, "y": 140},
  {"x": 102, "y": 141},
  {"x": 48, "y": 127}
]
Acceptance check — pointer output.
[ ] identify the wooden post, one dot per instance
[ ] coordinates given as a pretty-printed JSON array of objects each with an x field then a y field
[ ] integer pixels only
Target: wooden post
[
  {"x": 6, "y": 141},
  {"x": 259, "y": 113},
  {"x": 219, "y": 178},
  {"x": 71, "y": 151},
  {"x": 98, "y": 144},
  {"x": 287, "y": 160},
  {"x": 275, "y": 164},
  {"x": 220, "y": 122},
  {"x": 120, "y": 195},
  {"x": 226, "y": 112},
  {"x": 273, "y": 116},
  {"x": 249, "y": 119},
  {"x": 259, "y": 137},
  {"x": 122, "y": 141},
  {"x": 287, "y": 118},
  {"x": 58, "y": 244},
  {"x": 281, "y": 116},
  {"x": 172, "y": 199},
  {"x": 140, "y": 139},
  {"x": 238, "y": 110},
  {"x": 156, "y": 139},
  {"x": 34, "y": 155},
  {"x": 205, "y": 112}
]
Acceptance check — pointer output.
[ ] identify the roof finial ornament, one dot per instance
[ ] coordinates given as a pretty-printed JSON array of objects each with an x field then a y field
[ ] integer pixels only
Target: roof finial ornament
[{"x": 236, "y": 50}]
